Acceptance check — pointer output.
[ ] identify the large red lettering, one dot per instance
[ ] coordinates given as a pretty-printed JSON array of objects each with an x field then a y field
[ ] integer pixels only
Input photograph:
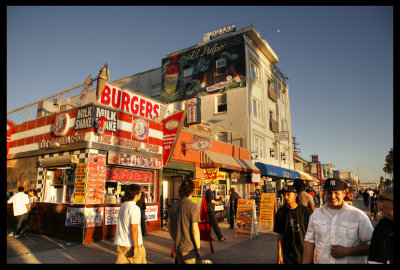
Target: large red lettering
[
  {"x": 125, "y": 101},
  {"x": 134, "y": 105},
  {"x": 105, "y": 95},
  {"x": 149, "y": 109},
  {"x": 142, "y": 107},
  {"x": 116, "y": 95},
  {"x": 156, "y": 109}
]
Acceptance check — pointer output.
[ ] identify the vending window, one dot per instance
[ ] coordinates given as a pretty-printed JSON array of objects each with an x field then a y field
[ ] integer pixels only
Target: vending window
[{"x": 59, "y": 187}]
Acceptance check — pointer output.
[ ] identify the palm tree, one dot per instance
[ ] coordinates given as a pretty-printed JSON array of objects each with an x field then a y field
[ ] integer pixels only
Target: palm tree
[{"x": 389, "y": 167}]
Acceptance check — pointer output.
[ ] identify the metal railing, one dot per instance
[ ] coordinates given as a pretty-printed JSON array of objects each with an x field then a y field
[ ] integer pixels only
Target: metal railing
[{"x": 53, "y": 104}]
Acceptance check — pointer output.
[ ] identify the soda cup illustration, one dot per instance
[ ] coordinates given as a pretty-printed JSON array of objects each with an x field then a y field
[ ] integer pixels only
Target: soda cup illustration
[{"x": 101, "y": 124}]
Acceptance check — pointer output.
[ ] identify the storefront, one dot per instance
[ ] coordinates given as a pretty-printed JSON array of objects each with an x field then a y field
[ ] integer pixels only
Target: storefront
[
  {"x": 276, "y": 177},
  {"x": 82, "y": 160},
  {"x": 199, "y": 157}
]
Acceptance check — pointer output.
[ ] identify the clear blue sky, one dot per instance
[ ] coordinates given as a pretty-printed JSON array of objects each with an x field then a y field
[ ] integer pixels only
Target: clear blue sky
[{"x": 339, "y": 61}]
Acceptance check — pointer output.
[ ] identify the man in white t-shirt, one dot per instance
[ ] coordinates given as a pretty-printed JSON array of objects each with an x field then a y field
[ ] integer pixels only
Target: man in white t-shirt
[
  {"x": 337, "y": 231},
  {"x": 20, "y": 203},
  {"x": 128, "y": 235}
]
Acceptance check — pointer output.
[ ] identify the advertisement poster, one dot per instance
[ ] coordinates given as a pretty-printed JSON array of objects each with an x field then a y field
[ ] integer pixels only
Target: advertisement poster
[
  {"x": 245, "y": 218},
  {"x": 84, "y": 217},
  {"x": 111, "y": 215},
  {"x": 96, "y": 178},
  {"x": 151, "y": 212},
  {"x": 80, "y": 183},
  {"x": 267, "y": 207},
  {"x": 171, "y": 127}
]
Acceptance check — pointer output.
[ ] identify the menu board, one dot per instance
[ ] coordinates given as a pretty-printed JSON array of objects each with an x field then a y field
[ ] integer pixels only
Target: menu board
[
  {"x": 80, "y": 183},
  {"x": 267, "y": 207},
  {"x": 96, "y": 179},
  {"x": 246, "y": 217}
]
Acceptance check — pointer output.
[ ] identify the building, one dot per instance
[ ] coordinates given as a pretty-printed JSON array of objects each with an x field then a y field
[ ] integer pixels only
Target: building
[
  {"x": 235, "y": 84},
  {"x": 350, "y": 178}
]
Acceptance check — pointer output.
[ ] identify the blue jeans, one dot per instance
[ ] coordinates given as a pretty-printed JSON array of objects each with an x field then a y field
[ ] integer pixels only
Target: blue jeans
[{"x": 21, "y": 219}]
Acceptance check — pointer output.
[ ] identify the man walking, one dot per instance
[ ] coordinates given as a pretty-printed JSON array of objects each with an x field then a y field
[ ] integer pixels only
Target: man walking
[
  {"x": 20, "y": 203},
  {"x": 128, "y": 235},
  {"x": 211, "y": 202},
  {"x": 291, "y": 221},
  {"x": 338, "y": 232},
  {"x": 183, "y": 226}
]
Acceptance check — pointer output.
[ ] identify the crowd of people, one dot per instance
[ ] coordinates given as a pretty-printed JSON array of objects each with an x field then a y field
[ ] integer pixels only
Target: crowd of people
[{"x": 336, "y": 232}]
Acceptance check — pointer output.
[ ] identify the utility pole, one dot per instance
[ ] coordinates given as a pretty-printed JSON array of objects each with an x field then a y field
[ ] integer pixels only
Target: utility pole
[{"x": 295, "y": 149}]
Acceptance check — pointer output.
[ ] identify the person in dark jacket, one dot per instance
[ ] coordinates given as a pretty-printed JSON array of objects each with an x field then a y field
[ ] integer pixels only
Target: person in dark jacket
[
  {"x": 233, "y": 201},
  {"x": 142, "y": 205}
]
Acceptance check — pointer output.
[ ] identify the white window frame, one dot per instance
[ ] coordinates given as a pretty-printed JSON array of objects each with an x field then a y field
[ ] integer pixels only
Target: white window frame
[
  {"x": 258, "y": 145},
  {"x": 254, "y": 72},
  {"x": 257, "y": 109}
]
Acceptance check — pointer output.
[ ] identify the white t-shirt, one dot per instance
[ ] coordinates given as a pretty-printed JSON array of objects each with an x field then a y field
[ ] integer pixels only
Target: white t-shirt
[
  {"x": 19, "y": 201},
  {"x": 129, "y": 213}
]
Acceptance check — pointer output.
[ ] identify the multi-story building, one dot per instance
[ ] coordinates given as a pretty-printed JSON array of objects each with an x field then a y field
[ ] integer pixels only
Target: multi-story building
[{"x": 233, "y": 82}]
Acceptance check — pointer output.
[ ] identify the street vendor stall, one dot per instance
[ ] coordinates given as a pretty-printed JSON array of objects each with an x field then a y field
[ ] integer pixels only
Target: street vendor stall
[{"x": 81, "y": 161}]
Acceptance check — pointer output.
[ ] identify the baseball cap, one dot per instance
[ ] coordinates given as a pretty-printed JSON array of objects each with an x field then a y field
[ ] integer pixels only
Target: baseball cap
[
  {"x": 334, "y": 184},
  {"x": 288, "y": 189}
]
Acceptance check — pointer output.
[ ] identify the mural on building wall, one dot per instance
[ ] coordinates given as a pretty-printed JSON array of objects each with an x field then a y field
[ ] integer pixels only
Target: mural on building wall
[{"x": 215, "y": 67}]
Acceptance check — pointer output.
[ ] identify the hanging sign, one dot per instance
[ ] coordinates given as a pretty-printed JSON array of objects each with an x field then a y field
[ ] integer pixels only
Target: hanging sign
[
  {"x": 171, "y": 128},
  {"x": 281, "y": 136}
]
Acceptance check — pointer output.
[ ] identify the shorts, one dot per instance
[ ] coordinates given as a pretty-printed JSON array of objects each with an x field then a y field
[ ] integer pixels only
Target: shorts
[{"x": 125, "y": 255}]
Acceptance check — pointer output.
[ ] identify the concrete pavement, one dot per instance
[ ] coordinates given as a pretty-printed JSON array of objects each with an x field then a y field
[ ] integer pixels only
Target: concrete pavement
[
  {"x": 39, "y": 249},
  {"x": 32, "y": 248}
]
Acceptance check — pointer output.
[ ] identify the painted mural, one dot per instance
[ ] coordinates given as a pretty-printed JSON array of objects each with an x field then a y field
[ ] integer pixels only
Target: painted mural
[{"x": 215, "y": 67}]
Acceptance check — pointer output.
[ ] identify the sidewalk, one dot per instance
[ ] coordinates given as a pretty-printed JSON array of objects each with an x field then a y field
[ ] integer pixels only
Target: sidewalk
[{"x": 32, "y": 248}]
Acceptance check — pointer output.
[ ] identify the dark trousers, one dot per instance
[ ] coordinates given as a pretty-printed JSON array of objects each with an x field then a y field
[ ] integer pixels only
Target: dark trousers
[
  {"x": 214, "y": 223},
  {"x": 21, "y": 220},
  {"x": 232, "y": 215}
]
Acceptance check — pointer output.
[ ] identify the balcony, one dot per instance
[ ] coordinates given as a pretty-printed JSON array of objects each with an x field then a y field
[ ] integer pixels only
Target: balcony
[
  {"x": 273, "y": 125},
  {"x": 272, "y": 94}
]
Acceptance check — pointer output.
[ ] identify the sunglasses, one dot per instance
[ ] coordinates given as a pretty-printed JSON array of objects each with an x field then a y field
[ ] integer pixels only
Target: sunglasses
[{"x": 384, "y": 199}]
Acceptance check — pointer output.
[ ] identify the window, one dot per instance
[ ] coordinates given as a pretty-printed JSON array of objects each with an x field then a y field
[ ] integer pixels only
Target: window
[
  {"x": 220, "y": 66},
  {"x": 258, "y": 146},
  {"x": 257, "y": 109},
  {"x": 187, "y": 73},
  {"x": 222, "y": 105},
  {"x": 156, "y": 91},
  {"x": 254, "y": 72}
]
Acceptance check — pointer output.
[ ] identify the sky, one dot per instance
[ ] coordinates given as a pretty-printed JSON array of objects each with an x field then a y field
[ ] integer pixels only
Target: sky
[{"x": 339, "y": 61}]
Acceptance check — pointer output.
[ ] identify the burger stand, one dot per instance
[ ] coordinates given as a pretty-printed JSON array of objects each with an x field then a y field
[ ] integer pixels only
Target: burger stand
[{"x": 84, "y": 158}]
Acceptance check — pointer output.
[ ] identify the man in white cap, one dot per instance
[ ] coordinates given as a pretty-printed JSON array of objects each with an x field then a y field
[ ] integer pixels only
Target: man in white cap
[{"x": 337, "y": 231}]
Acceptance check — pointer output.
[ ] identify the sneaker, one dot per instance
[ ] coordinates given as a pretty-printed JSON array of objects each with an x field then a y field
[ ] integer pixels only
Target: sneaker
[
  {"x": 11, "y": 234},
  {"x": 17, "y": 235}
]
